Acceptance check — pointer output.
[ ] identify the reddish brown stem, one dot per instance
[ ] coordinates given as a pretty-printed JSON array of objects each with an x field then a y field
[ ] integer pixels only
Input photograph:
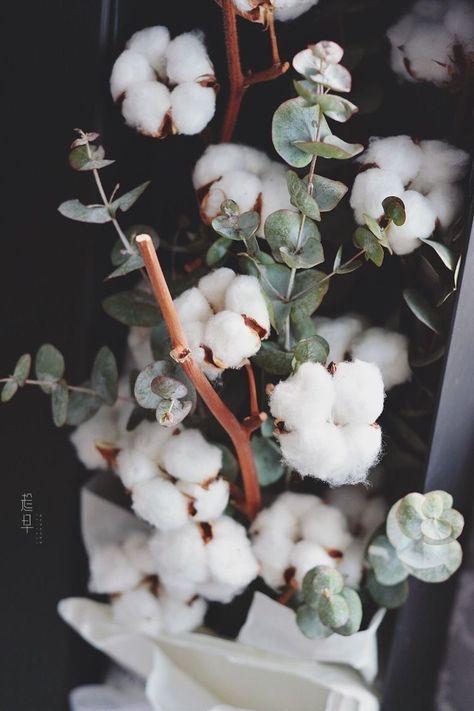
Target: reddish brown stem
[
  {"x": 254, "y": 408},
  {"x": 181, "y": 353}
]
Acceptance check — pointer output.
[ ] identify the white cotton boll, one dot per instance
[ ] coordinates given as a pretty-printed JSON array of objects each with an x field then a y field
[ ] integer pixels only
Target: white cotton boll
[
  {"x": 192, "y": 305},
  {"x": 160, "y": 503},
  {"x": 339, "y": 333},
  {"x": 214, "y": 286},
  {"x": 326, "y": 526},
  {"x": 398, "y": 66},
  {"x": 180, "y": 555},
  {"x": 111, "y": 571},
  {"x": 290, "y": 9},
  {"x": 459, "y": 20},
  {"x": 278, "y": 519},
  {"x": 192, "y": 107},
  {"x": 275, "y": 195},
  {"x": 255, "y": 161},
  {"x": 305, "y": 556},
  {"x": 297, "y": 504},
  {"x": 195, "y": 336},
  {"x": 320, "y": 453},
  {"x": 152, "y": 42},
  {"x": 139, "y": 346},
  {"x": 272, "y": 550},
  {"x": 187, "y": 59},
  {"x": 148, "y": 438},
  {"x": 230, "y": 339},
  {"x": 359, "y": 393},
  {"x": 398, "y": 154},
  {"x": 238, "y": 185},
  {"x": 305, "y": 398},
  {"x": 351, "y": 564},
  {"x": 100, "y": 428},
  {"x": 401, "y": 30},
  {"x": 139, "y": 610},
  {"x": 364, "y": 443},
  {"x": 447, "y": 202},
  {"x": 181, "y": 616},
  {"x": 129, "y": 68},
  {"x": 419, "y": 223},
  {"x": 217, "y": 592},
  {"x": 229, "y": 554},
  {"x": 134, "y": 468},
  {"x": 442, "y": 163},
  {"x": 189, "y": 457},
  {"x": 429, "y": 9},
  {"x": 178, "y": 587},
  {"x": 364, "y": 513},
  {"x": 244, "y": 296},
  {"x": 208, "y": 501},
  {"x": 388, "y": 350},
  {"x": 145, "y": 106},
  {"x": 428, "y": 51},
  {"x": 369, "y": 190},
  {"x": 136, "y": 548},
  {"x": 216, "y": 161},
  {"x": 244, "y": 5}
]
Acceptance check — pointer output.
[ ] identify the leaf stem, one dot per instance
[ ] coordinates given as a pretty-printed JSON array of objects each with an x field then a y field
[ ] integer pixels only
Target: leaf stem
[{"x": 74, "y": 388}]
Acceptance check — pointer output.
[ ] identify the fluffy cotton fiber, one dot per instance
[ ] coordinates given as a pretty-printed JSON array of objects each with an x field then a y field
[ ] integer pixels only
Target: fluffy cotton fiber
[
  {"x": 283, "y": 10},
  {"x": 189, "y": 457}
]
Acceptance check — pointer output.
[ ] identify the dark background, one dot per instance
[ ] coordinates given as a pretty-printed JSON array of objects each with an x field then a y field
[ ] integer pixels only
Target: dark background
[{"x": 58, "y": 57}]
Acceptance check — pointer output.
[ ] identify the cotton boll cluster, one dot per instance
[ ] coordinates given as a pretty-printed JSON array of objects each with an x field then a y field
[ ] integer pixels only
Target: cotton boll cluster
[
  {"x": 350, "y": 336},
  {"x": 214, "y": 560},
  {"x": 165, "y": 85},
  {"x": 296, "y": 533},
  {"x": 142, "y": 611},
  {"x": 424, "y": 176},
  {"x": 224, "y": 318},
  {"x": 326, "y": 421},
  {"x": 427, "y": 42},
  {"x": 243, "y": 174},
  {"x": 283, "y": 10},
  {"x": 119, "y": 568}
]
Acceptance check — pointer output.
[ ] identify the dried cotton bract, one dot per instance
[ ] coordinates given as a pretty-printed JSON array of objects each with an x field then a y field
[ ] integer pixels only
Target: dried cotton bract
[
  {"x": 326, "y": 422},
  {"x": 283, "y": 10},
  {"x": 165, "y": 85}
]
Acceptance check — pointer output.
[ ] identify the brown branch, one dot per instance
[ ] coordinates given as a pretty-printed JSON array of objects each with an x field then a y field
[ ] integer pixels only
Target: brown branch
[
  {"x": 254, "y": 408},
  {"x": 181, "y": 353}
]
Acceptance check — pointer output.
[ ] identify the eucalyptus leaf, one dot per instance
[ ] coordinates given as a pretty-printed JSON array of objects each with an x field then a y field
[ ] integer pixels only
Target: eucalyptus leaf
[
  {"x": 314, "y": 349},
  {"x": 364, "y": 239},
  {"x": 336, "y": 107},
  {"x": 388, "y": 596},
  {"x": 9, "y": 390},
  {"x": 143, "y": 392},
  {"x": 422, "y": 309},
  {"x": 294, "y": 121},
  {"x": 394, "y": 209},
  {"x": 310, "y": 288},
  {"x": 300, "y": 198},
  {"x": 321, "y": 580},
  {"x": 447, "y": 256},
  {"x": 168, "y": 388},
  {"x": 302, "y": 326},
  {"x": 227, "y": 226},
  {"x": 130, "y": 264},
  {"x": 160, "y": 341},
  {"x": 327, "y": 193},
  {"x": 217, "y": 251},
  {"x": 309, "y": 623},
  {"x": 330, "y": 147},
  {"x": 268, "y": 461},
  {"x": 75, "y": 210},
  {"x": 333, "y": 610},
  {"x": 170, "y": 413},
  {"x": 59, "y": 403},
  {"x": 126, "y": 201},
  {"x": 82, "y": 406},
  {"x": 273, "y": 359},
  {"x": 354, "y": 620},
  {"x": 49, "y": 365},
  {"x": 22, "y": 369},
  {"x": 133, "y": 308},
  {"x": 104, "y": 377},
  {"x": 85, "y": 158},
  {"x": 308, "y": 255},
  {"x": 385, "y": 562}
]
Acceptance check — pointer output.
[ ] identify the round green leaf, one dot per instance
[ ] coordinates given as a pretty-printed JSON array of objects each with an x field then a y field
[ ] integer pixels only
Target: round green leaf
[
  {"x": 104, "y": 377},
  {"x": 217, "y": 251},
  {"x": 355, "y": 613},
  {"x": 268, "y": 460},
  {"x": 422, "y": 309},
  {"x": 333, "y": 610},
  {"x": 22, "y": 369},
  {"x": 82, "y": 406},
  {"x": 327, "y": 193},
  {"x": 319, "y": 580},
  {"x": 394, "y": 209},
  {"x": 133, "y": 308},
  {"x": 455, "y": 521},
  {"x": 330, "y": 147},
  {"x": 170, "y": 413},
  {"x": 49, "y": 365},
  {"x": 314, "y": 349},
  {"x": 59, "y": 403},
  {"x": 300, "y": 197},
  {"x": 8, "y": 390},
  {"x": 385, "y": 562},
  {"x": 309, "y": 623},
  {"x": 310, "y": 289},
  {"x": 273, "y": 359},
  {"x": 168, "y": 388},
  {"x": 389, "y": 596},
  {"x": 294, "y": 121},
  {"x": 373, "y": 250}
]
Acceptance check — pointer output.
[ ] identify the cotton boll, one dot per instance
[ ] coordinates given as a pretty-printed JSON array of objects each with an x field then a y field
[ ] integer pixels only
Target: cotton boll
[
  {"x": 297, "y": 504},
  {"x": 181, "y": 616},
  {"x": 388, "y": 350},
  {"x": 180, "y": 555},
  {"x": 194, "y": 332},
  {"x": 275, "y": 195},
  {"x": 272, "y": 550},
  {"x": 111, "y": 571},
  {"x": 152, "y": 42},
  {"x": 138, "y": 552},
  {"x": 305, "y": 398},
  {"x": 398, "y": 65},
  {"x": 217, "y": 592},
  {"x": 359, "y": 393},
  {"x": 255, "y": 161},
  {"x": 364, "y": 443},
  {"x": 100, "y": 428},
  {"x": 305, "y": 556},
  {"x": 320, "y": 453},
  {"x": 429, "y": 9},
  {"x": 149, "y": 437},
  {"x": 139, "y": 610},
  {"x": 186, "y": 58},
  {"x": 372, "y": 187},
  {"x": 160, "y": 503},
  {"x": 290, "y": 9},
  {"x": 446, "y": 201},
  {"x": 339, "y": 333},
  {"x": 245, "y": 5},
  {"x": 145, "y": 106},
  {"x": 244, "y": 296},
  {"x": 238, "y": 185},
  {"x": 459, "y": 21},
  {"x": 208, "y": 502},
  {"x": 278, "y": 519},
  {"x": 214, "y": 286},
  {"x": 326, "y": 526},
  {"x": 442, "y": 163},
  {"x": 428, "y": 51},
  {"x": 229, "y": 554},
  {"x": 189, "y": 457},
  {"x": 398, "y": 154},
  {"x": 139, "y": 346},
  {"x": 364, "y": 513},
  {"x": 351, "y": 564},
  {"x": 401, "y": 30},
  {"x": 215, "y": 162},
  {"x": 135, "y": 468},
  {"x": 230, "y": 339},
  {"x": 129, "y": 68},
  {"x": 192, "y": 305},
  {"x": 192, "y": 107},
  {"x": 419, "y": 223}
]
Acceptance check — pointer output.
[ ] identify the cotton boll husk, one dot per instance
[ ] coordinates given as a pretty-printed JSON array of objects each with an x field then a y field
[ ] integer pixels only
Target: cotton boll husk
[
  {"x": 100, "y": 428},
  {"x": 351, "y": 564},
  {"x": 398, "y": 154},
  {"x": 137, "y": 550},
  {"x": 244, "y": 296},
  {"x": 152, "y": 42},
  {"x": 272, "y": 550},
  {"x": 419, "y": 224},
  {"x": 148, "y": 438},
  {"x": 192, "y": 305},
  {"x": 306, "y": 555},
  {"x": 210, "y": 501},
  {"x": 428, "y": 51},
  {"x": 180, "y": 555},
  {"x": 442, "y": 163},
  {"x": 139, "y": 610},
  {"x": 275, "y": 195},
  {"x": 326, "y": 526},
  {"x": 238, "y": 185},
  {"x": 364, "y": 443},
  {"x": 372, "y": 187},
  {"x": 339, "y": 333},
  {"x": 181, "y": 616},
  {"x": 320, "y": 452},
  {"x": 129, "y": 68},
  {"x": 388, "y": 350},
  {"x": 214, "y": 286},
  {"x": 359, "y": 393},
  {"x": 459, "y": 21},
  {"x": 189, "y": 457},
  {"x": 192, "y": 107},
  {"x": 290, "y": 9},
  {"x": 230, "y": 339},
  {"x": 134, "y": 467},
  {"x": 160, "y": 503},
  {"x": 447, "y": 201},
  {"x": 145, "y": 106},
  {"x": 229, "y": 554},
  {"x": 111, "y": 571},
  {"x": 187, "y": 59},
  {"x": 215, "y": 162},
  {"x": 139, "y": 346},
  {"x": 305, "y": 398}
]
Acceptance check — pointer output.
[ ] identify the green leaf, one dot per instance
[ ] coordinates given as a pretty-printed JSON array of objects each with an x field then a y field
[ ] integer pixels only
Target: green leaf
[
  {"x": 310, "y": 288},
  {"x": 334, "y": 107},
  {"x": 8, "y": 390},
  {"x": 248, "y": 223},
  {"x": 432, "y": 563},
  {"x": 82, "y": 406},
  {"x": 125, "y": 202},
  {"x": 422, "y": 309},
  {"x": 389, "y": 596},
  {"x": 170, "y": 413},
  {"x": 104, "y": 377},
  {"x": 429, "y": 358},
  {"x": 160, "y": 342},
  {"x": 330, "y": 147},
  {"x": 49, "y": 365},
  {"x": 144, "y": 395},
  {"x": 272, "y": 359},
  {"x": 294, "y": 121},
  {"x": 22, "y": 369},
  {"x": 377, "y": 231},
  {"x": 373, "y": 250},
  {"x": 302, "y": 326},
  {"x": 133, "y": 308},
  {"x": 354, "y": 620},
  {"x": 307, "y": 256},
  {"x": 217, "y": 251},
  {"x": 447, "y": 256},
  {"x": 394, "y": 210},
  {"x": 314, "y": 349},
  {"x": 319, "y": 580},
  {"x": 327, "y": 193},
  {"x": 168, "y": 388},
  {"x": 131, "y": 264},
  {"x": 300, "y": 198},
  {"x": 79, "y": 158},
  {"x": 227, "y": 227},
  {"x": 75, "y": 210},
  {"x": 333, "y": 611},
  {"x": 59, "y": 403},
  {"x": 384, "y": 560},
  {"x": 309, "y": 623},
  {"x": 230, "y": 467},
  {"x": 267, "y": 457}
]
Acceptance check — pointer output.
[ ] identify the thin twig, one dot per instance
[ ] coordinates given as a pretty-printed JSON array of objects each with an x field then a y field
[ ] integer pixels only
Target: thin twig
[{"x": 254, "y": 408}]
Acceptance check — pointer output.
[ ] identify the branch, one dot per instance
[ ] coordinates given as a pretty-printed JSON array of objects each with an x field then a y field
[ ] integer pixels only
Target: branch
[{"x": 181, "y": 353}]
